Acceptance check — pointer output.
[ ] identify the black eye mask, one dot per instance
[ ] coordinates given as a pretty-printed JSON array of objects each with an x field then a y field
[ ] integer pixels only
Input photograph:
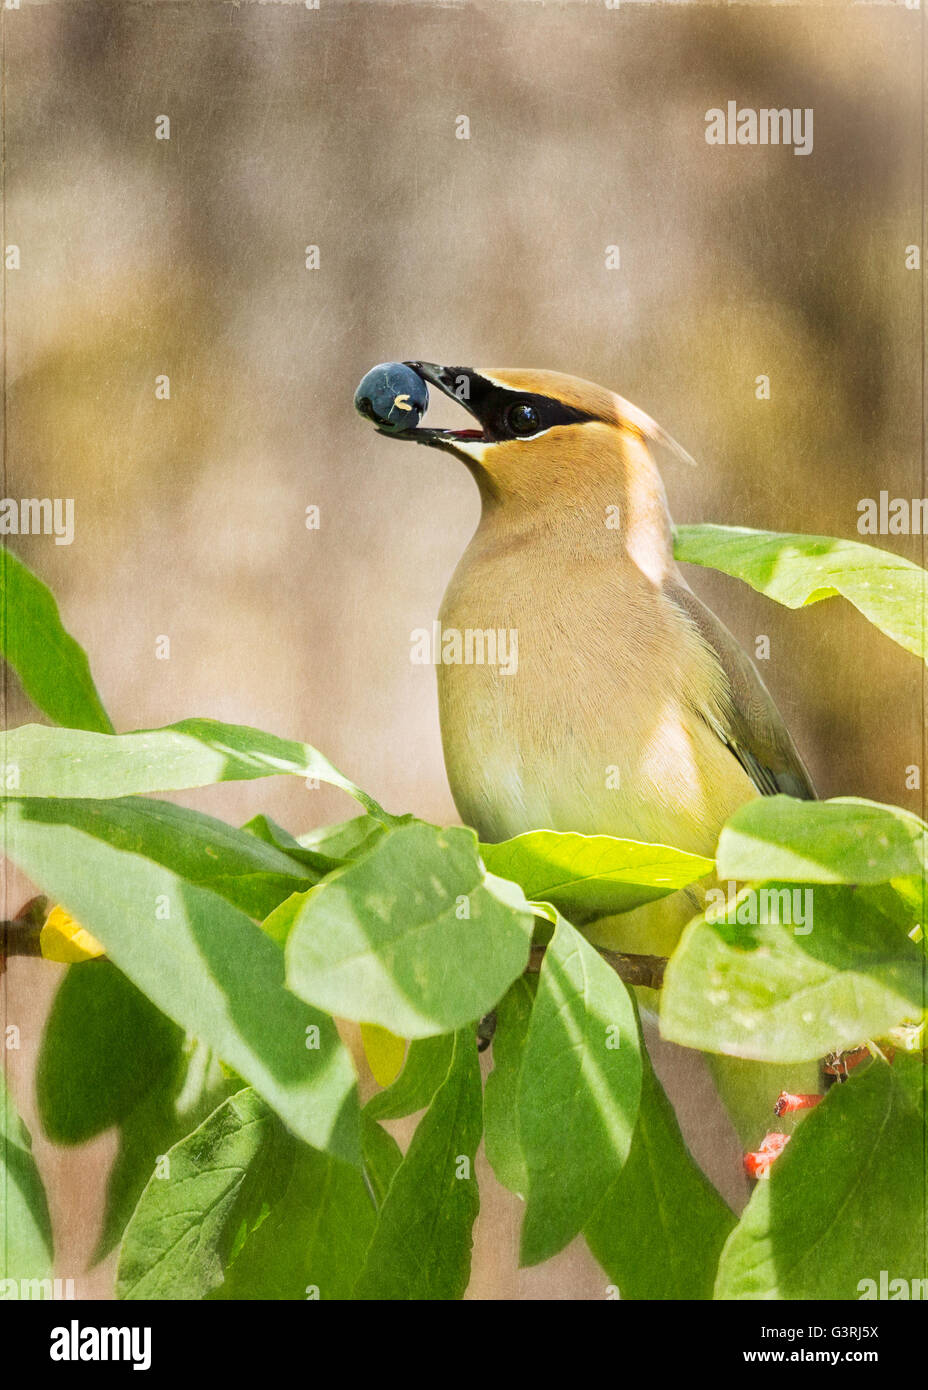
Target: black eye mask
[{"x": 503, "y": 413}]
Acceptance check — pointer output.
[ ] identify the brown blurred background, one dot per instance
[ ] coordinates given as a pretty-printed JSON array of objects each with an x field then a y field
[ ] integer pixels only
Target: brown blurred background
[{"x": 335, "y": 127}]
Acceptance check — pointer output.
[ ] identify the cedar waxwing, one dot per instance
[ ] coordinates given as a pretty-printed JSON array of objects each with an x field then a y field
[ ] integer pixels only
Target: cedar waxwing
[{"x": 631, "y": 710}]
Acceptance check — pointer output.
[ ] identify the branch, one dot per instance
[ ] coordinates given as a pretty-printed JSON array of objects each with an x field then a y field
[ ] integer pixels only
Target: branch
[
  {"x": 634, "y": 970},
  {"x": 20, "y": 936}
]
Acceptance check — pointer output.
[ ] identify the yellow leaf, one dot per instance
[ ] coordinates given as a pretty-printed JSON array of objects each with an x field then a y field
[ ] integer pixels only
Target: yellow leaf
[
  {"x": 64, "y": 940},
  {"x": 385, "y": 1052}
]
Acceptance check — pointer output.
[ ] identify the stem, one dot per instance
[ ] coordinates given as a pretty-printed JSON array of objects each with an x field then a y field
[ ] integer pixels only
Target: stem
[
  {"x": 634, "y": 970},
  {"x": 20, "y": 936}
]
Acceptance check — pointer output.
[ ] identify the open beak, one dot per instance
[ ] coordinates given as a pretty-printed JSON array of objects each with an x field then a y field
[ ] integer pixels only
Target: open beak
[{"x": 461, "y": 384}]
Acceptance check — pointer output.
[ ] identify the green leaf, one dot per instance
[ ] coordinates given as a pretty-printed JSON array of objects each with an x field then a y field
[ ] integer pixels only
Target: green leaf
[
  {"x": 500, "y": 1100},
  {"x": 349, "y": 838},
  {"x": 588, "y": 876},
  {"x": 845, "y": 1200},
  {"x": 294, "y": 1223},
  {"x": 204, "y": 964},
  {"x": 268, "y": 831},
  {"x": 414, "y": 935},
  {"x": 279, "y": 923},
  {"x": 797, "y": 570},
  {"x": 655, "y": 1129},
  {"x": 181, "y": 1234},
  {"x": 193, "y": 753},
  {"x": 382, "y": 1157},
  {"x": 843, "y": 841},
  {"x": 163, "y": 1117},
  {"x": 25, "y": 1228},
  {"x": 660, "y": 1227},
  {"x": 312, "y": 1242},
  {"x": 421, "y": 1247},
  {"x": 105, "y": 1047},
  {"x": 776, "y": 993},
  {"x": 426, "y": 1066},
  {"x": 208, "y": 852},
  {"x": 578, "y": 1092},
  {"x": 51, "y": 666},
  {"x": 88, "y": 1079}
]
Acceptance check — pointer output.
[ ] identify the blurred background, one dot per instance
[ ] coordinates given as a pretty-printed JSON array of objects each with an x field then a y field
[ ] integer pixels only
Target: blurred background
[{"x": 336, "y": 128}]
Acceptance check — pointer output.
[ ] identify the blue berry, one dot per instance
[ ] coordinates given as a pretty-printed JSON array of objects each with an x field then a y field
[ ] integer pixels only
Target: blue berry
[{"x": 393, "y": 396}]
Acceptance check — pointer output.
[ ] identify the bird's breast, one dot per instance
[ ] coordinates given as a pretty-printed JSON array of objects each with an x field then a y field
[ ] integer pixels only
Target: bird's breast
[{"x": 587, "y": 723}]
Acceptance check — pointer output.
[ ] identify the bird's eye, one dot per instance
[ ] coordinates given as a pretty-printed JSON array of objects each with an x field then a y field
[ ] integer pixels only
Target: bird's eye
[{"x": 523, "y": 418}]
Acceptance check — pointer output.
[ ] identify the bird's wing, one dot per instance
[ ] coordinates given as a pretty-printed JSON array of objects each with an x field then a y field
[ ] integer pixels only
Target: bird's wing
[{"x": 750, "y": 723}]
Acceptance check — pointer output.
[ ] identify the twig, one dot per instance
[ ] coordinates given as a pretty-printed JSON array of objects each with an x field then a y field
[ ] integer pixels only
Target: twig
[
  {"x": 20, "y": 936},
  {"x": 485, "y": 1030},
  {"x": 634, "y": 970}
]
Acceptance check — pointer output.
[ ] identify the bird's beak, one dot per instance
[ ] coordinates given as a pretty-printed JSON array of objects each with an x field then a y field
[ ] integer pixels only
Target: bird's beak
[{"x": 461, "y": 384}]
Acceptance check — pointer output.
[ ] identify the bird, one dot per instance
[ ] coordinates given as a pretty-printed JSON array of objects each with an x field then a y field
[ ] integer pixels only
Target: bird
[{"x": 633, "y": 711}]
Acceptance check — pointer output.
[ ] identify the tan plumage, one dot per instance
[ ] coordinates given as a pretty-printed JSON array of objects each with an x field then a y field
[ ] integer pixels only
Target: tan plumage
[{"x": 633, "y": 711}]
